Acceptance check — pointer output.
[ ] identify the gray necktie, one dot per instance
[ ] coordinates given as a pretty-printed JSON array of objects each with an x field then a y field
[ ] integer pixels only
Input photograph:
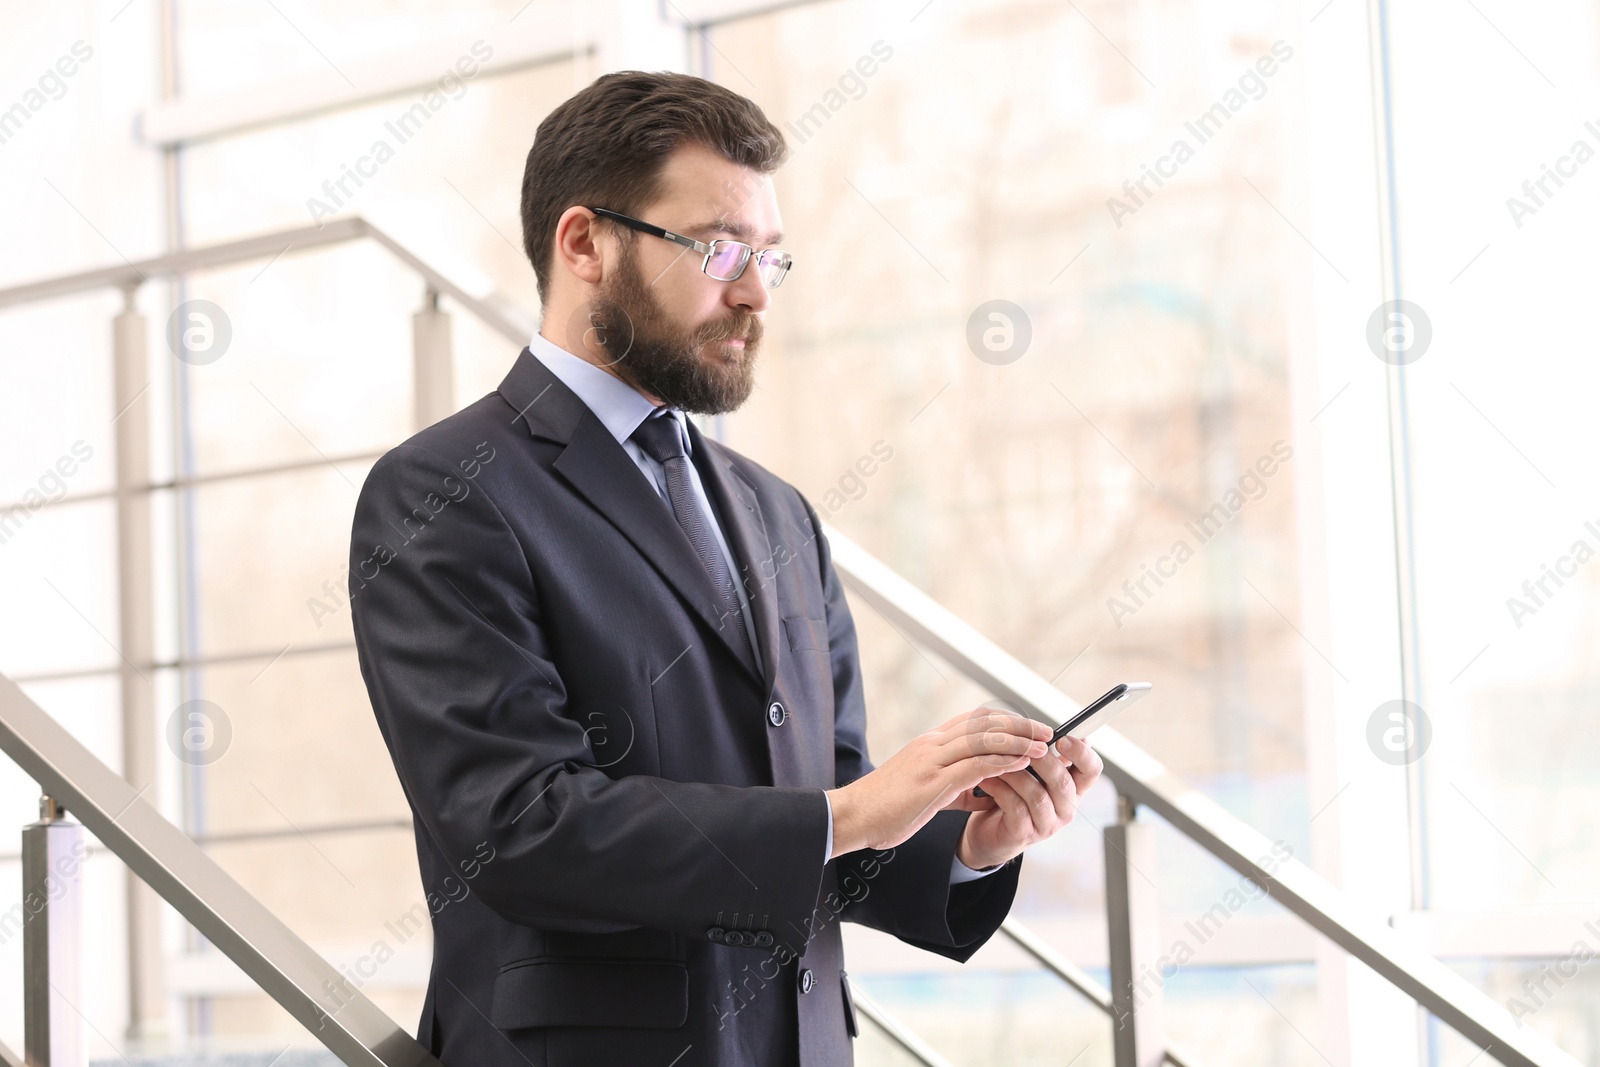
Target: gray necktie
[{"x": 662, "y": 441}]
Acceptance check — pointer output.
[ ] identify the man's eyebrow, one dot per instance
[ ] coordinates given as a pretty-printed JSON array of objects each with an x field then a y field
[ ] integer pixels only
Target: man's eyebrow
[{"x": 735, "y": 229}]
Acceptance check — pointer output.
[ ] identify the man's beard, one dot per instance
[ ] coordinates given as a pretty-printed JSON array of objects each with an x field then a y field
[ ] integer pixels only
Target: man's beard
[{"x": 651, "y": 353}]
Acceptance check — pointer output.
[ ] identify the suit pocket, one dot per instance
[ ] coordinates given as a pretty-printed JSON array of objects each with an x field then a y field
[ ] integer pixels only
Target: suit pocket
[
  {"x": 556, "y": 991},
  {"x": 849, "y": 1003},
  {"x": 805, "y": 632}
]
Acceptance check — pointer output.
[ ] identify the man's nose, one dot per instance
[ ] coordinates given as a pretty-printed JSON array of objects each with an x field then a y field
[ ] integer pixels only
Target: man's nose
[{"x": 748, "y": 291}]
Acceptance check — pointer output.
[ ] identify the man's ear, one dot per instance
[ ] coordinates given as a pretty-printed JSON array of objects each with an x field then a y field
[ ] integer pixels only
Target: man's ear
[{"x": 581, "y": 247}]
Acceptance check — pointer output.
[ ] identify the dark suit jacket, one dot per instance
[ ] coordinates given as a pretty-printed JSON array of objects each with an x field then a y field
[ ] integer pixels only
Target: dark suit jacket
[{"x": 619, "y": 822}]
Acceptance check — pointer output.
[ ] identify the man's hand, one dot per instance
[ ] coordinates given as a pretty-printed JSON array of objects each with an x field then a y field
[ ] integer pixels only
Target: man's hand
[
  {"x": 886, "y": 806},
  {"x": 1019, "y": 811}
]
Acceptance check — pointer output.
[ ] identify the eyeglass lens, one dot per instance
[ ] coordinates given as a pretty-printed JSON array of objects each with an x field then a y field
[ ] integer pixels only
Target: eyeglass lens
[
  {"x": 773, "y": 265},
  {"x": 728, "y": 259}
]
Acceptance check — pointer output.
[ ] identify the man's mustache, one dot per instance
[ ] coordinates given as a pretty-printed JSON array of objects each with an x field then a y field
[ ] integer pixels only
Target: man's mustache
[{"x": 746, "y": 327}]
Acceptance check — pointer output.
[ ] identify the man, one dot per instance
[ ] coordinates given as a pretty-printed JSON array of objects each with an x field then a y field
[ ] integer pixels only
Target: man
[{"x": 615, "y": 667}]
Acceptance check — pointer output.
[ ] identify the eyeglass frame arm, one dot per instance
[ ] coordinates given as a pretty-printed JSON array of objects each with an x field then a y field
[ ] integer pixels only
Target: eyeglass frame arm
[
  {"x": 689, "y": 242},
  {"x": 656, "y": 231}
]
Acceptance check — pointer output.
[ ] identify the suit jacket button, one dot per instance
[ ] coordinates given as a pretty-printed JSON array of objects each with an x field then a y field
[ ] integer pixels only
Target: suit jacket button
[
  {"x": 775, "y": 713},
  {"x": 807, "y": 979},
  {"x": 734, "y": 937},
  {"x": 716, "y": 933},
  {"x": 763, "y": 939}
]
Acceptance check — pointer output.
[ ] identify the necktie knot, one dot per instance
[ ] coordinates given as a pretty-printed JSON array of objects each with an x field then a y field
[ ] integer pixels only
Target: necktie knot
[{"x": 660, "y": 437}]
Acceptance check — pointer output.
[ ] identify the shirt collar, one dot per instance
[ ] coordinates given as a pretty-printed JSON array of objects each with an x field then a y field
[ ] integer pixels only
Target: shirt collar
[{"x": 619, "y": 406}]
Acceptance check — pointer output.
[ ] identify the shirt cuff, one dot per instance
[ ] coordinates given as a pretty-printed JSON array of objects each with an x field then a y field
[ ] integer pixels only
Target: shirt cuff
[
  {"x": 960, "y": 872},
  {"x": 828, "y": 852}
]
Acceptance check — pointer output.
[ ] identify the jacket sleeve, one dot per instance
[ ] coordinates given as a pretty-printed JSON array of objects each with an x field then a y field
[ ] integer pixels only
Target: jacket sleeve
[
  {"x": 905, "y": 891},
  {"x": 456, "y": 654}
]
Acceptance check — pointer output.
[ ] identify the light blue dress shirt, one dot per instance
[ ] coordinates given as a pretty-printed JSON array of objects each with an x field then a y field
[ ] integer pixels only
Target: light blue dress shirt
[{"x": 621, "y": 408}]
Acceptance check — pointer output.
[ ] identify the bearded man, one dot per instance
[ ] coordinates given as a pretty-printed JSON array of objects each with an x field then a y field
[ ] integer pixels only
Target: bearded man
[{"x": 615, "y": 667}]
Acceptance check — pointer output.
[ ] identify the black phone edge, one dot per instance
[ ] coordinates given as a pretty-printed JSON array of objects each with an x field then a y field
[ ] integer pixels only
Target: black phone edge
[{"x": 1110, "y": 697}]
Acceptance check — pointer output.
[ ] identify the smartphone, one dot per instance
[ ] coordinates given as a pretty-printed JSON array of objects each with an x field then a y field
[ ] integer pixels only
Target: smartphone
[{"x": 1093, "y": 716}]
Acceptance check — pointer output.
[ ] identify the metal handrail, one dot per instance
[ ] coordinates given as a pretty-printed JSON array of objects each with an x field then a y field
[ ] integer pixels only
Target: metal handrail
[
  {"x": 317, "y": 995},
  {"x": 210, "y": 478},
  {"x": 262, "y": 246},
  {"x": 1140, "y": 777},
  {"x": 176, "y": 662},
  {"x": 240, "y": 837}
]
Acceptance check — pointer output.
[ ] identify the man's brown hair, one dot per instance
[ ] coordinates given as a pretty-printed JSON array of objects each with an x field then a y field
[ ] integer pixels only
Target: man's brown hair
[{"x": 606, "y": 147}]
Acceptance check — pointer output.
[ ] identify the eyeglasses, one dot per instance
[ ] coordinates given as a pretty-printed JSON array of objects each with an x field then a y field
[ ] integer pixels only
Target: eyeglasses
[{"x": 724, "y": 260}]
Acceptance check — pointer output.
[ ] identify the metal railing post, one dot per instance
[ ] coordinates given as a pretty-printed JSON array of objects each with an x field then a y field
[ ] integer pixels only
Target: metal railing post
[
  {"x": 136, "y": 625},
  {"x": 433, "y": 365},
  {"x": 1133, "y": 921},
  {"x": 52, "y": 858}
]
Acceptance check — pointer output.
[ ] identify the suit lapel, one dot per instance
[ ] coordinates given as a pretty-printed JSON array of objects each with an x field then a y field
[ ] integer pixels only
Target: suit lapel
[
  {"x": 597, "y": 467},
  {"x": 746, "y": 530}
]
